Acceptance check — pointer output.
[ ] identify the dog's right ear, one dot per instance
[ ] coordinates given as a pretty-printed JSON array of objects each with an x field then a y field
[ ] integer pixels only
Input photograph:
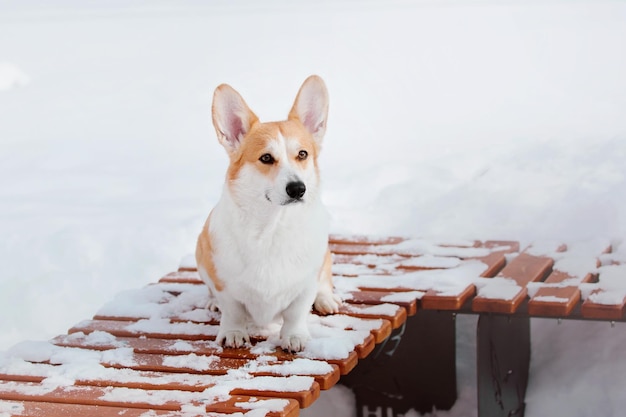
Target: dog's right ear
[{"x": 232, "y": 118}]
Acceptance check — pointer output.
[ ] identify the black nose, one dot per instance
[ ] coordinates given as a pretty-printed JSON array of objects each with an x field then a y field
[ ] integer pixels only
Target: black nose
[{"x": 295, "y": 189}]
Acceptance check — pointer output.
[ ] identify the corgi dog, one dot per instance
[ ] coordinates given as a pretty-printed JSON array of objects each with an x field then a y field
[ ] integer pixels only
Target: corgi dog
[{"x": 263, "y": 251}]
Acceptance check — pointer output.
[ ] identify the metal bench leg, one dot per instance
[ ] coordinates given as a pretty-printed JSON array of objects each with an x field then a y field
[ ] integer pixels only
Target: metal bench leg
[
  {"x": 415, "y": 368},
  {"x": 503, "y": 350}
]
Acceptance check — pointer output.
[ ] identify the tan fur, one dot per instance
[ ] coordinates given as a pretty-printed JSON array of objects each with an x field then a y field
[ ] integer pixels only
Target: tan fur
[
  {"x": 257, "y": 143},
  {"x": 326, "y": 274},
  {"x": 204, "y": 256}
]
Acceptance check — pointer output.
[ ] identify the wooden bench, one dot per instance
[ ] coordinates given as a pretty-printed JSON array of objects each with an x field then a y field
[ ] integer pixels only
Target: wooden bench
[{"x": 151, "y": 352}]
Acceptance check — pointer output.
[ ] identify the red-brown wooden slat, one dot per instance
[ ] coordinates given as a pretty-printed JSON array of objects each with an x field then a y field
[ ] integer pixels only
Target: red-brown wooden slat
[
  {"x": 356, "y": 249},
  {"x": 608, "y": 300},
  {"x": 197, "y": 318},
  {"x": 44, "y": 409},
  {"x": 383, "y": 332},
  {"x": 396, "y": 318},
  {"x": 188, "y": 331},
  {"x": 119, "y": 329},
  {"x": 433, "y": 300},
  {"x": 172, "y": 347},
  {"x": 154, "y": 368},
  {"x": 495, "y": 262},
  {"x": 345, "y": 247},
  {"x": 365, "y": 348},
  {"x": 183, "y": 277},
  {"x": 406, "y": 299},
  {"x": 506, "y": 246},
  {"x": 158, "y": 363},
  {"x": 557, "y": 301},
  {"x": 290, "y": 410},
  {"x": 217, "y": 366},
  {"x": 126, "y": 329},
  {"x": 523, "y": 269},
  {"x": 151, "y": 380},
  {"x": 364, "y": 240},
  {"x": 370, "y": 261},
  {"x": 129, "y": 398},
  {"x": 559, "y": 295},
  {"x": 599, "y": 311}
]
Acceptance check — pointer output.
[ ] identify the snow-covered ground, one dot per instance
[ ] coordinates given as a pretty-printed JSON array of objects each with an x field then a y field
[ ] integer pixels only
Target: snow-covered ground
[{"x": 477, "y": 119}]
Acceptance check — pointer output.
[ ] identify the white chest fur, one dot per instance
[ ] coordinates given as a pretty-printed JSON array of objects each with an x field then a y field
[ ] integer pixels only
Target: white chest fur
[{"x": 270, "y": 256}]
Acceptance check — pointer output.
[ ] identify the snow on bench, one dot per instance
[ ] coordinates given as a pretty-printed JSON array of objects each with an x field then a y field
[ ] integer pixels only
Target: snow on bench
[{"x": 152, "y": 351}]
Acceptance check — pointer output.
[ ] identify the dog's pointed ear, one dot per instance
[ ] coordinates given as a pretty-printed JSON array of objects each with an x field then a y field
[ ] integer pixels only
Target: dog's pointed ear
[
  {"x": 232, "y": 118},
  {"x": 311, "y": 107}
]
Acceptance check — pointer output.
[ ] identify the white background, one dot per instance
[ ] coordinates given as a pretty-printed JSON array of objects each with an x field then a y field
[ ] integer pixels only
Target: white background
[{"x": 478, "y": 119}]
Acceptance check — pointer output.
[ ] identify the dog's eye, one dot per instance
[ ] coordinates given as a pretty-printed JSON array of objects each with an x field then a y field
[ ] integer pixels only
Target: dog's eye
[
  {"x": 302, "y": 155},
  {"x": 266, "y": 158}
]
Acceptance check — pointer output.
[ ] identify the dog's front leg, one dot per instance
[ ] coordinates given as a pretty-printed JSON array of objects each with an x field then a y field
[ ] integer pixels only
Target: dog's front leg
[
  {"x": 295, "y": 333},
  {"x": 232, "y": 332}
]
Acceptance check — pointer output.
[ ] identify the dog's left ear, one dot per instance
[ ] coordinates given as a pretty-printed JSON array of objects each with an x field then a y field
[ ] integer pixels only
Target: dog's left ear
[{"x": 311, "y": 107}]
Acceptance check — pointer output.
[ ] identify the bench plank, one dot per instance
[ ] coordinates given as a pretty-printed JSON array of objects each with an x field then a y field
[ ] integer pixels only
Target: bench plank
[
  {"x": 150, "y": 380},
  {"x": 44, "y": 409},
  {"x": 557, "y": 301},
  {"x": 434, "y": 300},
  {"x": 168, "y": 400},
  {"x": 406, "y": 299},
  {"x": 607, "y": 301},
  {"x": 183, "y": 276},
  {"x": 604, "y": 311},
  {"x": 396, "y": 315},
  {"x": 178, "y": 347},
  {"x": 507, "y": 293}
]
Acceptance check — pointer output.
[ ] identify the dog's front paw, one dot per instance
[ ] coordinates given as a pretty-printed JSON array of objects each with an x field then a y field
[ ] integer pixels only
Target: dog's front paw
[
  {"x": 233, "y": 338},
  {"x": 327, "y": 303},
  {"x": 294, "y": 343}
]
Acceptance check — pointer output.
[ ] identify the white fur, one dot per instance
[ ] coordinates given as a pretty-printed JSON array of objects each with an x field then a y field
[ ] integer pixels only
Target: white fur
[{"x": 272, "y": 257}]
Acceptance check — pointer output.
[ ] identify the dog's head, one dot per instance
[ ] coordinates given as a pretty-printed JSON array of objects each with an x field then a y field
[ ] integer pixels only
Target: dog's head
[{"x": 273, "y": 162}]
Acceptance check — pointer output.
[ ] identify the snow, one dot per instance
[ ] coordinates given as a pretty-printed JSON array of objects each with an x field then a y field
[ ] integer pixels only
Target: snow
[
  {"x": 453, "y": 121},
  {"x": 164, "y": 326},
  {"x": 186, "y": 301},
  {"x": 298, "y": 366},
  {"x": 497, "y": 288},
  {"x": 611, "y": 287},
  {"x": 431, "y": 261},
  {"x": 449, "y": 281},
  {"x": 399, "y": 297},
  {"x": 551, "y": 299},
  {"x": 608, "y": 298},
  {"x": 188, "y": 262},
  {"x": 182, "y": 346},
  {"x": 8, "y": 409},
  {"x": 153, "y": 397},
  {"x": 191, "y": 361},
  {"x": 11, "y": 76},
  {"x": 380, "y": 310},
  {"x": 269, "y": 405}
]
